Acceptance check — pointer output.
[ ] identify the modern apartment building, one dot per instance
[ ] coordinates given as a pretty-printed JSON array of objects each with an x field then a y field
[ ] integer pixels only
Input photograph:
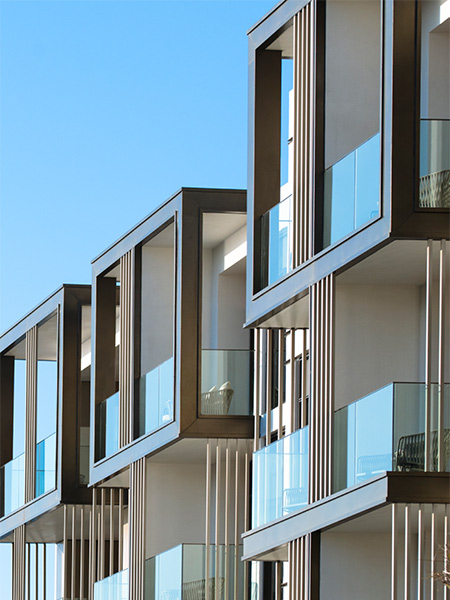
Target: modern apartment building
[
  {"x": 348, "y": 294},
  {"x": 44, "y": 440},
  {"x": 171, "y": 403},
  {"x": 153, "y": 448},
  {"x": 153, "y": 411}
]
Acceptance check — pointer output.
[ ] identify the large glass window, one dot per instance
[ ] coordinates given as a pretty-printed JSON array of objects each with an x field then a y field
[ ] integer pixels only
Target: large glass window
[
  {"x": 155, "y": 390},
  {"x": 44, "y": 571},
  {"x": 352, "y": 117},
  {"x": 46, "y": 405}
]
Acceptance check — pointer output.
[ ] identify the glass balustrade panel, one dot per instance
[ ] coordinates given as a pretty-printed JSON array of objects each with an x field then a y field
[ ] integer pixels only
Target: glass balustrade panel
[
  {"x": 156, "y": 397},
  {"x": 226, "y": 382},
  {"x": 46, "y": 465},
  {"x": 352, "y": 191},
  {"x": 114, "y": 587},
  {"x": 280, "y": 478},
  {"x": 12, "y": 478}
]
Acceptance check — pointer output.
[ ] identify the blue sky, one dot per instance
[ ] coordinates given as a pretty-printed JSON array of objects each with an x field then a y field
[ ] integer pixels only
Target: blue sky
[{"x": 106, "y": 108}]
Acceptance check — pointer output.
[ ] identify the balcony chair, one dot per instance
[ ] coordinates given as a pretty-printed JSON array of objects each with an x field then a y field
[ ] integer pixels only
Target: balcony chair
[
  {"x": 196, "y": 590},
  {"x": 217, "y": 401},
  {"x": 294, "y": 498},
  {"x": 410, "y": 454},
  {"x": 434, "y": 190}
]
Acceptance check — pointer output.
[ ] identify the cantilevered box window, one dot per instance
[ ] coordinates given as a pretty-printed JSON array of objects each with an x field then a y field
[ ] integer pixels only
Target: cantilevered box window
[
  {"x": 352, "y": 151},
  {"x": 107, "y": 367},
  {"x": 226, "y": 360},
  {"x": 154, "y": 391},
  {"x": 46, "y": 404}
]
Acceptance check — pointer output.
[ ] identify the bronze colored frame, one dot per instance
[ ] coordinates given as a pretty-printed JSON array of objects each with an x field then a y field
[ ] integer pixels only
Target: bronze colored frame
[{"x": 184, "y": 208}]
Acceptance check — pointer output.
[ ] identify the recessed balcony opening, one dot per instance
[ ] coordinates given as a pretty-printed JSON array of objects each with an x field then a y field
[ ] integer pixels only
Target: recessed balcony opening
[
  {"x": 274, "y": 160},
  {"x": 434, "y": 168},
  {"x": 155, "y": 382},
  {"x": 226, "y": 358},
  {"x": 352, "y": 145},
  {"x": 107, "y": 369}
]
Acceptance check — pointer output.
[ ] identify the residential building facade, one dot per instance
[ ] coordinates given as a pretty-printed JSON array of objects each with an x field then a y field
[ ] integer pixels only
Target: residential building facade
[
  {"x": 348, "y": 292},
  {"x": 252, "y": 399}
]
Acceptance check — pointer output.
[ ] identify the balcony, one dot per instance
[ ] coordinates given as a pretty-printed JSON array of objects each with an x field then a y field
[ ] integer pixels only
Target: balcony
[
  {"x": 112, "y": 588},
  {"x": 352, "y": 191},
  {"x": 276, "y": 242},
  {"x": 107, "y": 424},
  {"x": 226, "y": 382},
  {"x": 280, "y": 478},
  {"x": 385, "y": 431},
  {"x": 180, "y": 573},
  {"x": 46, "y": 465},
  {"x": 12, "y": 485},
  {"x": 434, "y": 175},
  {"x": 156, "y": 390}
]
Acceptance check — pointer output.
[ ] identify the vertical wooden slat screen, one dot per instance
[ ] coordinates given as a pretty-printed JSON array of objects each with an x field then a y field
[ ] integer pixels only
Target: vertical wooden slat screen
[
  {"x": 441, "y": 352},
  {"x": 428, "y": 352},
  {"x": 93, "y": 544},
  {"x": 18, "y": 583},
  {"x": 419, "y": 543},
  {"x": 321, "y": 388},
  {"x": 304, "y": 33},
  {"x": 222, "y": 508},
  {"x": 299, "y": 567},
  {"x": 126, "y": 348},
  {"x": 137, "y": 529},
  {"x": 30, "y": 412}
]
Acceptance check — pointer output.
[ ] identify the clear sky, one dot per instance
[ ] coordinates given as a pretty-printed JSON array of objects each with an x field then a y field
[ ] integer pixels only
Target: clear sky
[{"x": 107, "y": 107}]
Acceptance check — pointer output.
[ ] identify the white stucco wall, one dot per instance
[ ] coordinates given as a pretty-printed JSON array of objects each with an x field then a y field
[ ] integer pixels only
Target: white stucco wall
[
  {"x": 355, "y": 566},
  {"x": 223, "y": 294},
  {"x": 435, "y": 61},
  {"x": 175, "y": 505},
  {"x": 379, "y": 333},
  {"x": 352, "y": 92}
]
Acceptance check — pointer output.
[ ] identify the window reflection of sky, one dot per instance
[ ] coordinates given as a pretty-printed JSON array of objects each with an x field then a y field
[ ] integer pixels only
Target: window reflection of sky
[{"x": 352, "y": 191}]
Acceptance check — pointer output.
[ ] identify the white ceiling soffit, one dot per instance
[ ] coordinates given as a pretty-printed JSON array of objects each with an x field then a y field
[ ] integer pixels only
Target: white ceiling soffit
[{"x": 293, "y": 316}]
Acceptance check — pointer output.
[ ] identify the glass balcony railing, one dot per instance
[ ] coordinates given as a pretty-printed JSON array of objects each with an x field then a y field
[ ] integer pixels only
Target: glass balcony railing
[
  {"x": 107, "y": 426},
  {"x": 352, "y": 191},
  {"x": 156, "y": 398},
  {"x": 180, "y": 573},
  {"x": 114, "y": 587},
  {"x": 12, "y": 485},
  {"x": 46, "y": 465},
  {"x": 280, "y": 478},
  {"x": 434, "y": 175},
  {"x": 226, "y": 382},
  {"x": 385, "y": 431},
  {"x": 276, "y": 242}
]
